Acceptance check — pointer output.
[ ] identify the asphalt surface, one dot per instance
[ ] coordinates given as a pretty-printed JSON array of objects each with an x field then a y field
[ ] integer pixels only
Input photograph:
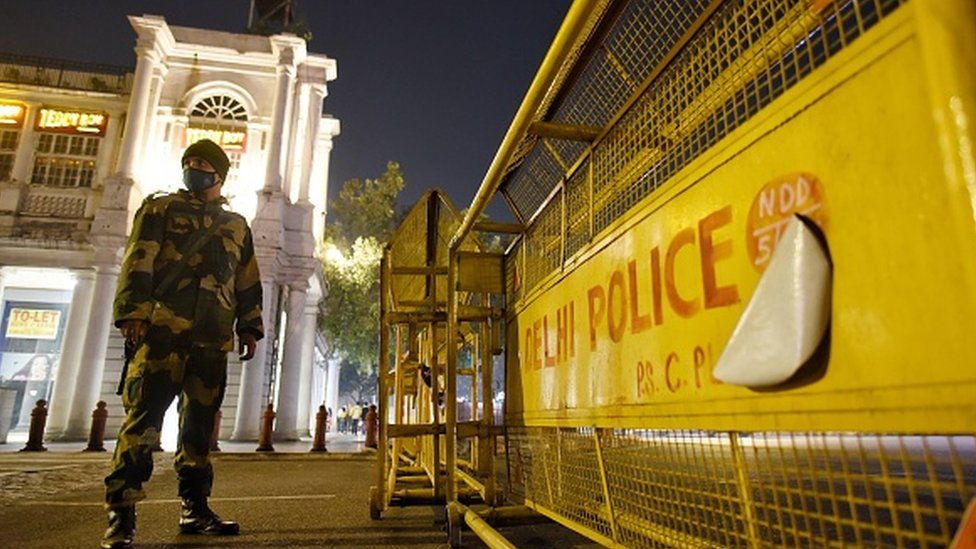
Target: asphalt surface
[{"x": 53, "y": 500}]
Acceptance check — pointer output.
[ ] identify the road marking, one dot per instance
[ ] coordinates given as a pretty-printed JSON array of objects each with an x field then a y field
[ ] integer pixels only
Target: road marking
[{"x": 168, "y": 501}]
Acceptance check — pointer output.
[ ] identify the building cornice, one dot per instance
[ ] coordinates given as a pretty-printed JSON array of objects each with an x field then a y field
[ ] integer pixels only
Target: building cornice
[
  {"x": 37, "y": 253},
  {"x": 217, "y": 57},
  {"x": 153, "y": 31},
  {"x": 156, "y": 40},
  {"x": 324, "y": 62},
  {"x": 313, "y": 75},
  {"x": 288, "y": 49},
  {"x": 329, "y": 127}
]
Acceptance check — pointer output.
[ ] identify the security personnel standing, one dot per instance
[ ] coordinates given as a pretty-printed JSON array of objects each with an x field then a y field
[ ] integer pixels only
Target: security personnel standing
[{"x": 189, "y": 280}]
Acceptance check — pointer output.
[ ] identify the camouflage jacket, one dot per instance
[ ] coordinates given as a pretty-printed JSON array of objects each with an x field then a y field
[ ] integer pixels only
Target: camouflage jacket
[{"x": 221, "y": 283}]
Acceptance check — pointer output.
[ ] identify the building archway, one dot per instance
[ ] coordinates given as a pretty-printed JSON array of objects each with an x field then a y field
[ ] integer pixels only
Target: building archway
[{"x": 222, "y": 119}]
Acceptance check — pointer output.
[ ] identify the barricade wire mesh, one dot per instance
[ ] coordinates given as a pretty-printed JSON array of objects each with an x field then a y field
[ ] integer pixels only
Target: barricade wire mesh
[
  {"x": 543, "y": 245},
  {"x": 719, "y": 489},
  {"x": 513, "y": 273},
  {"x": 638, "y": 41},
  {"x": 532, "y": 183},
  {"x": 577, "y": 211},
  {"x": 748, "y": 53}
]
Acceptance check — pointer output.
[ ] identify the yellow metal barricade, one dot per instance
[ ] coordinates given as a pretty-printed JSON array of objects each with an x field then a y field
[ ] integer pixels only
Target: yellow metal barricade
[
  {"x": 413, "y": 286},
  {"x": 655, "y": 165}
]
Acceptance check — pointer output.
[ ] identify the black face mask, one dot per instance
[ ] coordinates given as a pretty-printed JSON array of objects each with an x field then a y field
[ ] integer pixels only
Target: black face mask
[{"x": 198, "y": 180}]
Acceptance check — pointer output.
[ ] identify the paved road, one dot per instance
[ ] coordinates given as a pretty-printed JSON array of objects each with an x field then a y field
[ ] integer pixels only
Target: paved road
[{"x": 284, "y": 500}]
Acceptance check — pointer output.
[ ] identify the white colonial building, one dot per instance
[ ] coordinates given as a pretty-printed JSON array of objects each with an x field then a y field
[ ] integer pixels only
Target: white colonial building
[{"x": 81, "y": 146}]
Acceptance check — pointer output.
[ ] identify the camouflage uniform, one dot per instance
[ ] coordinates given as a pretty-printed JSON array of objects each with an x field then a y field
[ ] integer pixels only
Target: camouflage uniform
[{"x": 191, "y": 329}]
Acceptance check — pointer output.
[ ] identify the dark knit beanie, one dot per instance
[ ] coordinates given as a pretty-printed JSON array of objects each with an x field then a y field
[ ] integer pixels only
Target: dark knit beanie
[{"x": 211, "y": 152}]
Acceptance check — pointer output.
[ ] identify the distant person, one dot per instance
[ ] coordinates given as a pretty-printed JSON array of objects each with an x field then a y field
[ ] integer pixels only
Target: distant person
[
  {"x": 189, "y": 281},
  {"x": 343, "y": 419},
  {"x": 355, "y": 413}
]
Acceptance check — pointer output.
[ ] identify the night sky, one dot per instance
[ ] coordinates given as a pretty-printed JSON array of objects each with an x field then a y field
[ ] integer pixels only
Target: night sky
[{"x": 430, "y": 84}]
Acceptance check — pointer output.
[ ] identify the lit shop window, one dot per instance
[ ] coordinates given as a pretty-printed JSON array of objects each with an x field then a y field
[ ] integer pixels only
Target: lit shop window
[
  {"x": 65, "y": 160},
  {"x": 11, "y": 121},
  {"x": 66, "y": 146},
  {"x": 8, "y": 152}
]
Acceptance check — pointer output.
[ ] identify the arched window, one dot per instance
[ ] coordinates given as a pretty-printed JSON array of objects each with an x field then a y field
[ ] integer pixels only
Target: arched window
[
  {"x": 221, "y": 108},
  {"x": 222, "y": 119}
]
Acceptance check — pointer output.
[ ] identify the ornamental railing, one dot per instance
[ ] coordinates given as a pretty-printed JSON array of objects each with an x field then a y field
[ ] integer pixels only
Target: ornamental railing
[{"x": 64, "y": 73}]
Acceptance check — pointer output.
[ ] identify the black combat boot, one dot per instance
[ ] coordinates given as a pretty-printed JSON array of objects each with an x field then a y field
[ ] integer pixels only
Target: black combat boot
[
  {"x": 121, "y": 528},
  {"x": 198, "y": 518}
]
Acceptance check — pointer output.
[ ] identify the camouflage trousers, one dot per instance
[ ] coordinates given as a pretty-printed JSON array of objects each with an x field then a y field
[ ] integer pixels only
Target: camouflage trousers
[{"x": 157, "y": 373}]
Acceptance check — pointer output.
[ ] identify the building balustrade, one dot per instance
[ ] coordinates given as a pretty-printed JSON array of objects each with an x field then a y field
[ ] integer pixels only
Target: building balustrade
[
  {"x": 61, "y": 73},
  {"x": 38, "y": 212}
]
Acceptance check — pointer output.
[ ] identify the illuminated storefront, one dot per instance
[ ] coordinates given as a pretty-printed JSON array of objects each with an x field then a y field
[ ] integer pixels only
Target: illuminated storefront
[
  {"x": 31, "y": 334},
  {"x": 67, "y": 146}
]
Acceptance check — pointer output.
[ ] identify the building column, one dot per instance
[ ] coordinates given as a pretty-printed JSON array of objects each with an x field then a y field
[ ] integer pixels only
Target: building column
[
  {"x": 71, "y": 351},
  {"x": 316, "y": 96},
  {"x": 23, "y": 165},
  {"x": 289, "y": 393},
  {"x": 148, "y": 155},
  {"x": 177, "y": 134},
  {"x": 319, "y": 184},
  {"x": 250, "y": 403},
  {"x": 305, "y": 385},
  {"x": 254, "y": 161},
  {"x": 332, "y": 393},
  {"x": 105, "y": 161},
  {"x": 92, "y": 365},
  {"x": 279, "y": 122},
  {"x": 267, "y": 225},
  {"x": 294, "y": 147},
  {"x": 147, "y": 64}
]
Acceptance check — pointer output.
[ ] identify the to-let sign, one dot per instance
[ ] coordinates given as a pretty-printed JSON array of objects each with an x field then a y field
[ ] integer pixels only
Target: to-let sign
[
  {"x": 12, "y": 114},
  {"x": 231, "y": 140},
  {"x": 58, "y": 120},
  {"x": 33, "y": 323}
]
